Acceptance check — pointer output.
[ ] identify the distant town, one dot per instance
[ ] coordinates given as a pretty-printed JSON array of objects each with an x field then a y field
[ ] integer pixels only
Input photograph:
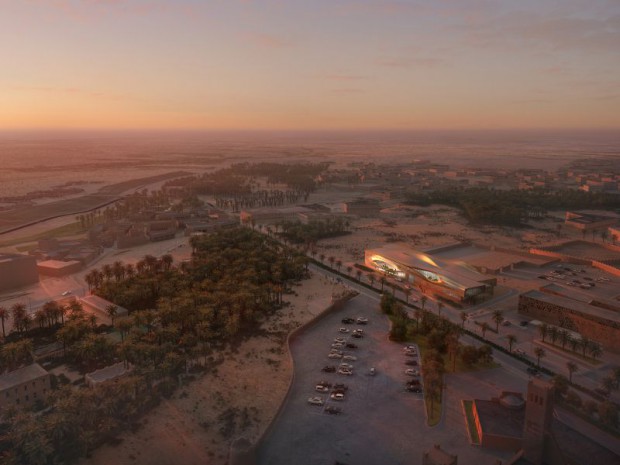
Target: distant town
[{"x": 407, "y": 310}]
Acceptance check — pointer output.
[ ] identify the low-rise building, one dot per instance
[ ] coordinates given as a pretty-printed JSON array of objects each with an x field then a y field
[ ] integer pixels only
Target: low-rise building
[
  {"x": 59, "y": 268},
  {"x": 107, "y": 374},
  {"x": 24, "y": 386}
]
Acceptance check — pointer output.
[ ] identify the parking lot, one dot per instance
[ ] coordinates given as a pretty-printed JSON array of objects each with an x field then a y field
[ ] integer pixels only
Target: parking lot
[{"x": 380, "y": 423}]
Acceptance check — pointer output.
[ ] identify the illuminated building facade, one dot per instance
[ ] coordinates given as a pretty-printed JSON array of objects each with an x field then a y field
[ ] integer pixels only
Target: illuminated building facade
[{"x": 449, "y": 279}]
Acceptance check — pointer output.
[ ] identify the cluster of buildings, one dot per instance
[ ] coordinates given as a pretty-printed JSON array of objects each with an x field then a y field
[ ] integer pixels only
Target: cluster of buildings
[
  {"x": 590, "y": 176},
  {"x": 526, "y": 426}
]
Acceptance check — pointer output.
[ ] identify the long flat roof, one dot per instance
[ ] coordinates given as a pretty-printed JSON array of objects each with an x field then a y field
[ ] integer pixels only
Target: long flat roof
[
  {"x": 21, "y": 375},
  {"x": 574, "y": 305},
  {"x": 456, "y": 270},
  {"x": 499, "y": 420}
]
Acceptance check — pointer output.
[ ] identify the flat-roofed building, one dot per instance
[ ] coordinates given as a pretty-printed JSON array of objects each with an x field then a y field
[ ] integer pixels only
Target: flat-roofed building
[
  {"x": 450, "y": 279},
  {"x": 99, "y": 305},
  {"x": 107, "y": 374},
  {"x": 588, "y": 221},
  {"x": 59, "y": 268},
  {"x": 596, "y": 323},
  {"x": 17, "y": 270},
  {"x": 24, "y": 386}
]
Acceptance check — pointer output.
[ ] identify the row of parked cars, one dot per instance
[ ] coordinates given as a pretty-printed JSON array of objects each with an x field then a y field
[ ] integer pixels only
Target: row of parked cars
[
  {"x": 340, "y": 350},
  {"x": 413, "y": 383}
]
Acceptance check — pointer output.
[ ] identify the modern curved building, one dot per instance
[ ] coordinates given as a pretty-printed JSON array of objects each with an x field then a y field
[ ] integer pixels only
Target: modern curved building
[{"x": 449, "y": 279}]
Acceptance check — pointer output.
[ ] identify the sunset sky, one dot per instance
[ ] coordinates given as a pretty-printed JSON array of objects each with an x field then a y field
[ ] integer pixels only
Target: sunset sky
[{"x": 309, "y": 64}]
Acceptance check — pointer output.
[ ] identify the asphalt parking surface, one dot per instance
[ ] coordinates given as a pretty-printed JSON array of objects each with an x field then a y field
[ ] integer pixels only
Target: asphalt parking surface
[{"x": 380, "y": 423}]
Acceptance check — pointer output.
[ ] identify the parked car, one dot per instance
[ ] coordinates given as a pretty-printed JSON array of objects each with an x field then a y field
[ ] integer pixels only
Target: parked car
[
  {"x": 351, "y": 345},
  {"x": 321, "y": 388},
  {"x": 324, "y": 383},
  {"x": 315, "y": 401},
  {"x": 341, "y": 387},
  {"x": 532, "y": 371},
  {"x": 357, "y": 335},
  {"x": 358, "y": 331},
  {"x": 346, "y": 365},
  {"x": 338, "y": 395},
  {"x": 343, "y": 330},
  {"x": 345, "y": 371},
  {"x": 361, "y": 320},
  {"x": 339, "y": 340},
  {"x": 413, "y": 382},
  {"x": 411, "y": 362},
  {"x": 328, "y": 369},
  {"x": 333, "y": 410},
  {"x": 334, "y": 355},
  {"x": 524, "y": 323},
  {"x": 66, "y": 293},
  {"x": 520, "y": 352},
  {"x": 337, "y": 345},
  {"x": 349, "y": 358},
  {"x": 414, "y": 389},
  {"x": 348, "y": 321},
  {"x": 412, "y": 372}
]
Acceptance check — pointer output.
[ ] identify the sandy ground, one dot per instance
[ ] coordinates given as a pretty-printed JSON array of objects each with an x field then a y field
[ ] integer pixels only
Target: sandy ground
[
  {"x": 424, "y": 227},
  {"x": 253, "y": 379}
]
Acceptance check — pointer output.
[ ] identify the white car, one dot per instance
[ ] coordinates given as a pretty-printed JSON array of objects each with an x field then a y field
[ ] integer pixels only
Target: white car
[
  {"x": 349, "y": 358},
  {"x": 337, "y": 345},
  {"x": 66, "y": 293},
  {"x": 412, "y": 372},
  {"x": 321, "y": 388},
  {"x": 334, "y": 355},
  {"x": 315, "y": 401},
  {"x": 339, "y": 340},
  {"x": 343, "y": 330},
  {"x": 337, "y": 396},
  {"x": 362, "y": 320},
  {"x": 345, "y": 371}
]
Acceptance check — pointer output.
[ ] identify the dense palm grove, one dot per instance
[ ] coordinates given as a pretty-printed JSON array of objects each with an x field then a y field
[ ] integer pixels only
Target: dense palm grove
[
  {"x": 178, "y": 316},
  {"x": 513, "y": 207}
]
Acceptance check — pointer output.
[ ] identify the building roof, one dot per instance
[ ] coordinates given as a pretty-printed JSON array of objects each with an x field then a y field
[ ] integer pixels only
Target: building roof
[
  {"x": 58, "y": 264},
  {"x": 21, "y": 375},
  {"x": 580, "y": 448},
  {"x": 457, "y": 271},
  {"x": 498, "y": 420},
  {"x": 108, "y": 373},
  {"x": 574, "y": 305},
  {"x": 11, "y": 257},
  {"x": 101, "y": 304}
]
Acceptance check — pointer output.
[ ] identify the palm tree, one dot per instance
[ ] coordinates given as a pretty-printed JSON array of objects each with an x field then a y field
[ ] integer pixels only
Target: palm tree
[
  {"x": 572, "y": 368},
  {"x": 544, "y": 330},
  {"x": 423, "y": 301},
  {"x": 371, "y": 279},
  {"x": 498, "y": 318},
  {"x": 484, "y": 327},
  {"x": 463, "y": 319},
  {"x": 358, "y": 274},
  {"x": 540, "y": 353},
  {"x": 553, "y": 334},
  {"x": 585, "y": 344},
  {"x": 4, "y": 314},
  {"x": 19, "y": 316},
  {"x": 440, "y": 305},
  {"x": 595, "y": 350},
  {"x": 349, "y": 269},
  {"x": 331, "y": 261},
  {"x": 407, "y": 293},
  {"x": 564, "y": 337},
  {"x": 112, "y": 311},
  {"x": 511, "y": 340},
  {"x": 382, "y": 280}
]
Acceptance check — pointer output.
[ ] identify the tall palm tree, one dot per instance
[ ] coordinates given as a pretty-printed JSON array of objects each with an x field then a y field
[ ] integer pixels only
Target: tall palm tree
[
  {"x": 540, "y": 353},
  {"x": 423, "y": 301},
  {"x": 383, "y": 281},
  {"x": 440, "y": 305},
  {"x": 585, "y": 344},
  {"x": 484, "y": 327},
  {"x": 564, "y": 337},
  {"x": 511, "y": 340},
  {"x": 464, "y": 317},
  {"x": 371, "y": 279},
  {"x": 572, "y": 368},
  {"x": 554, "y": 334},
  {"x": 498, "y": 318},
  {"x": 544, "y": 331},
  {"x": 112, "y": 311}
]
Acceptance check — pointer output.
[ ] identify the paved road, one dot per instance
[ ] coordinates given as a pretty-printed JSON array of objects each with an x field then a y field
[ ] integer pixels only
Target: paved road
[{"x": 381, "y": 423}]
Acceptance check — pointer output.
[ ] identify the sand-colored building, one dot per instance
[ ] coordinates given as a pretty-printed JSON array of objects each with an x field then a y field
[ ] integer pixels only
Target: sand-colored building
[
  {"x": 59, "y": 268},
  {"x": 24, "y": 386}
]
